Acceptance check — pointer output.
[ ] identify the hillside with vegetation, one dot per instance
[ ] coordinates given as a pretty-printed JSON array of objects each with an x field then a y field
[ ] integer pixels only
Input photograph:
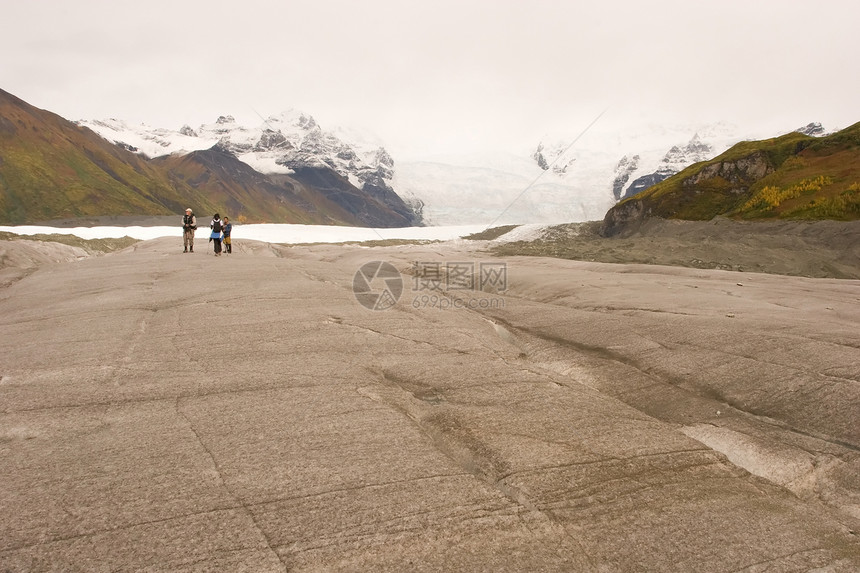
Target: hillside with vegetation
[
  {"x": 51, "y": 168},
  {"x": 793, "y": 177}
]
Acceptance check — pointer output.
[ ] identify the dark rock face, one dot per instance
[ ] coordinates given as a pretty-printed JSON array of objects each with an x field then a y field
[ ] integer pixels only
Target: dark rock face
[
  {"x": 625, "y": 216},
  {"x": 538, "y": 156},
  {"x": 375, "y": 206},
  {"x": 272, "y": 139},
  {"x": 642, "y": 183},
  {"x": 128, "y": 147},
  {"x": 742, "y": 172}
]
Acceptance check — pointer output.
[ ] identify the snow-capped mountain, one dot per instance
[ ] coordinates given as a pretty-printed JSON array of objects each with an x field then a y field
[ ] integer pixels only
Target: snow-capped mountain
[
  {"x": 675, "y": 160},
  {"x": 626, "y": 167},
  {"x": 281, "y": 144},
  {"x": 354, "y": 175},
  {"x": 293, "y": 140},
  {"x": 148, "y": 141},
  {"x": 814, "y": 129},
  {"x": 553, "y": 158},
  {"x": 556, "y": 181}
]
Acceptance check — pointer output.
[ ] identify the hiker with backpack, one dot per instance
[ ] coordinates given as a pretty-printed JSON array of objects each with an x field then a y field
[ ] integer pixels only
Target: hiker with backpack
[
  {"x": 189, "y": 225},
  {"x": 216, "y": 225}
]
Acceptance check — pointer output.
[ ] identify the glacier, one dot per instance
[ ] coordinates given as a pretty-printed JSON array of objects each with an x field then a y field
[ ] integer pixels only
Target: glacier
[{"x": 554, "y": 180}]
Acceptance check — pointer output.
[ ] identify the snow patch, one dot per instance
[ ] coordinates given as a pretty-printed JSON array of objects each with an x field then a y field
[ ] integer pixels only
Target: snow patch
[
  {"x": 529, "y": 232},
  {"x": 264, "y": 163},
  {"x": 271, "y": 233}
]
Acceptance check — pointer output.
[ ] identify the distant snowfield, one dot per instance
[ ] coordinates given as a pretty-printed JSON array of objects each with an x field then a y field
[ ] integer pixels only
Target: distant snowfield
[
  {"x": 504, "y": 189},
  {"x": 270, "y": 233}
]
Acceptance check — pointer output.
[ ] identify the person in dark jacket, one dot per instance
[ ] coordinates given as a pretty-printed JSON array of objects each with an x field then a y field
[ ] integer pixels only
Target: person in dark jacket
[
  {"x": 216, "y": 225},
  {"x": 228, "y": 228},
  {"x": 189, "y": 225}
]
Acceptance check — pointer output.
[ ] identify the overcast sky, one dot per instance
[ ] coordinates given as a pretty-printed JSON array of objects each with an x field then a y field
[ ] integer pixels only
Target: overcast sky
[{"x": 433, "y": 75}]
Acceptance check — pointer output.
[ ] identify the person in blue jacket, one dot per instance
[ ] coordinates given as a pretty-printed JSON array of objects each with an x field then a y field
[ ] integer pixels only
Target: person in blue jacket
[{"x": 216, "y": 225}]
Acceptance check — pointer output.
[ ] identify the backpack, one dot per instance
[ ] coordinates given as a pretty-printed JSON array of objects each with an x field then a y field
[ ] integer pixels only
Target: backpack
[{"x": 216, "y": 226}]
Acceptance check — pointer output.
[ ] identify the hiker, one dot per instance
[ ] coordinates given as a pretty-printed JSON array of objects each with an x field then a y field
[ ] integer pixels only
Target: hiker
[
  {"x": 216, "y": 225},
  {"x": 189, "y": 225},
  {"x": 228, "y": 228}
]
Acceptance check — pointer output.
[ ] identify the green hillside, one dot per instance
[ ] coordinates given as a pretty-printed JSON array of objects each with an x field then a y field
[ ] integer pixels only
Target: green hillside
[
  {"x": 794, "y": 176},
  {"x": 51, "y": 168}
]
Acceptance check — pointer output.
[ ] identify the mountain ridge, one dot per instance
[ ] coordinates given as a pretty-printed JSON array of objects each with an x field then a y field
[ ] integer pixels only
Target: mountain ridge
[
  {"x": 291, "y": 170},
  {"x": 51, "y": 168},
  {"x": 793, "y": 176},
  {"x": 281, "y": 143}
]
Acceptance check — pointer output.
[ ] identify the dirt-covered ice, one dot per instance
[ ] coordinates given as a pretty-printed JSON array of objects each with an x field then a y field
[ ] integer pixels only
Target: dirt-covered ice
[{"x": 170, "y": 411}]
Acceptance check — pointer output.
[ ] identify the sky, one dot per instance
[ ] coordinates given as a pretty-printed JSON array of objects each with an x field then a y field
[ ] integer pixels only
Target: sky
[{"x": 442, "y": 76}]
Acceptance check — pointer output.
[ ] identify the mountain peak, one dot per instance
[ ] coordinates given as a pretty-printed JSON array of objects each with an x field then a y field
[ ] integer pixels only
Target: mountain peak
[
  {"x": 292, "y": 119},
  {"x": 675, "y": 160},
  {"x": 813, "y": 129},
  {"x": 554, "y": 157}
]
